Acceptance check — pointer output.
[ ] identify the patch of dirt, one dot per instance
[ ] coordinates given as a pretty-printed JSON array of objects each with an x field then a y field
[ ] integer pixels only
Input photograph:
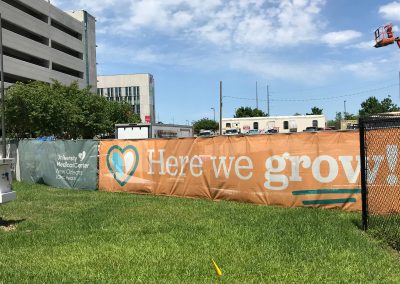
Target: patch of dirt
[{"x": 8, "y": 228}]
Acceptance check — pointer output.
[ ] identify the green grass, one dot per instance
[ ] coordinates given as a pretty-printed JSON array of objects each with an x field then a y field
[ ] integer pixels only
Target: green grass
[
  {"x": 385, "y": 227},
  {"x": 95, "y": 237}
]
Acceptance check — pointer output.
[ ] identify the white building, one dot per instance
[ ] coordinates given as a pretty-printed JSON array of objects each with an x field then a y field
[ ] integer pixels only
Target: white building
[
  {"x": 282, "y": 124},
  {"x": 136, "y": 89},
  {"x": 41, "y": 42}
]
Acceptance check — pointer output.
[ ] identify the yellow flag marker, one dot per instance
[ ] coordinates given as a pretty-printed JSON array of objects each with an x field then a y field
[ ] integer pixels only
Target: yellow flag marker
[{"x": 216, "y": 268}]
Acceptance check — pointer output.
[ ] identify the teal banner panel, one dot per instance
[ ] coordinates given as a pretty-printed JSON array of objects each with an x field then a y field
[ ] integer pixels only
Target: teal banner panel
[{"x": 64, "y": 164}]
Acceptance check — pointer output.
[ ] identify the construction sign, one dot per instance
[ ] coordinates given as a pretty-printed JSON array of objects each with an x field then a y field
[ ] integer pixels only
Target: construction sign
[{"x": 302, "y": 169}]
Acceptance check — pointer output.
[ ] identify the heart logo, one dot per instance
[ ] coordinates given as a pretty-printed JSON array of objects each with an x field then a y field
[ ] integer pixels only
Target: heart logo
[
  {"x": 82, "y": 156},
  {"x": 122, "y": 163}
]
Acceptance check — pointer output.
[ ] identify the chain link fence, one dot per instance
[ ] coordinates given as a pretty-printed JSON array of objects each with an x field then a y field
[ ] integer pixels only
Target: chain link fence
[{"x": 380, "y": 176}]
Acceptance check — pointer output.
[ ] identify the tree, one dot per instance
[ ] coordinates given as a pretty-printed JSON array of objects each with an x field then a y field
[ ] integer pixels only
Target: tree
[
  {"x": 350, "y": 116},
  {"x": 42, "y": 109},
  {"x": 249, "y": 112},
  {"x": 373, "y": 106},
  {"x": 335, "y": 122},
  {"x": 205, "y": 123},
  {"x": 315, "y": 111}
]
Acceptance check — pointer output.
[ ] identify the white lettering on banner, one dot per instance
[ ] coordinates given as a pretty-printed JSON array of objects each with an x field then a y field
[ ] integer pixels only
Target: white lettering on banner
[
  {"x": 323, "y": 168},
  {"x": 184, "y": 160},
  {"x": 68, "y": 168},
  {"x": 275, "y": 165},
  {"x": 62, "y": 157},
  {"x": 297, "y": 161},
  {"x": 160, "y": 162},
  {"x": 171, "y": 162},
  {"x": 372, "y": 173},
  {"x": 173, "y": 165},
  {"x": 270, "y": 175},
  {"x": 199, "y": 165},
  {"x": 332, "y": 172},
  {"x": 222, "y": 164},
  {"x": 391, "y": 151},
  {"x": 248, "y": 166},
  {"x": 351, "y": 174}
]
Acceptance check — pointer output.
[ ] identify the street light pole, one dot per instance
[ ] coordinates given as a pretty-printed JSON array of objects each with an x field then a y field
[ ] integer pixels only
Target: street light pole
[
  {"x": 214, "y": 112},
  {"x": 3, "y": 108}
]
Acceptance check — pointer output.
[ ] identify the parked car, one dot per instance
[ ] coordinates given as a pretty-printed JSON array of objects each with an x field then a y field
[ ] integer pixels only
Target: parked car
[
  {"x": 271, "y": 131},
  {"x": 253, "y": 132},
  {"x": 232, "y": 132},
  {"x": 311, "y": 129},
  {"x": 352, "y": 126},
  {"x": 206, "y": 133}
]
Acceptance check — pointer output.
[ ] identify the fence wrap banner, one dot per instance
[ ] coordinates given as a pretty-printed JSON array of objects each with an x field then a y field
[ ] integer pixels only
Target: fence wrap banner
[
  {"x": 65, "y": 164},
  {"x": 303, "y": 169}
]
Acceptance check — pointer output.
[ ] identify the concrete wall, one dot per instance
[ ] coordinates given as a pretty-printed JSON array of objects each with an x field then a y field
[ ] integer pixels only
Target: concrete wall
[{"x": 89, "y": 45}]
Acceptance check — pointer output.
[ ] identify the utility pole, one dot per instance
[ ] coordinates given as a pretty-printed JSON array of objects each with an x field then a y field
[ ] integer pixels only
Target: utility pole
[
  {"x": 3, "y": 108},
  {"x": 214, "y": 112},
  {"x": 399, "y": 84},
  {"x": 220, "y": 107},
  {"x": 344, "y": 114},
  {"x": 268, "y": 100},
  {"x": 256, "y": 96}
]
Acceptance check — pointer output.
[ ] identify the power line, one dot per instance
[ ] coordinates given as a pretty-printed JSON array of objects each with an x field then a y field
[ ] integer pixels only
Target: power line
[
  {"x": 336, "y": 97},
  {"x": 317, "y": 99},
  {"x": 321, "y": 87}
]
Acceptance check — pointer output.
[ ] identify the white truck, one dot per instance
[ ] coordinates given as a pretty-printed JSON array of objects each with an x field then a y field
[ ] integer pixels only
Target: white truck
[{"x": 147, "y": 131}]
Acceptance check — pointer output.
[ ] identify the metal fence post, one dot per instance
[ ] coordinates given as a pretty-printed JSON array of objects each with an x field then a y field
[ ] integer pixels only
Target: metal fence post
[{"x": 364, "y": 191}]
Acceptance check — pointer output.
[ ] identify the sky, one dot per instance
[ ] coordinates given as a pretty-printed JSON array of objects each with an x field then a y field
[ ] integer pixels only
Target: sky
[{"x": 310, "y": 53}]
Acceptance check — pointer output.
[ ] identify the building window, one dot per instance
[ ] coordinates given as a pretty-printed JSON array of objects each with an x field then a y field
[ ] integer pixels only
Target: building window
[
  {"x": 315, "y": 123},
  {"x": 286, "y": 124},
  {"x": 255, "y": 125},
  {"x": 228, "y": 125}
]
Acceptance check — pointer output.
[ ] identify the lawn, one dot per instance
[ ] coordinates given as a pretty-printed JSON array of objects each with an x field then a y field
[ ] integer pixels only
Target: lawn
[{"x": 53, "y": 235}]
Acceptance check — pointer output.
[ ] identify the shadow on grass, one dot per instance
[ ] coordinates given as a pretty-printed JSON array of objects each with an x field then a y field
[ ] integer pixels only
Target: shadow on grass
[
  {"x": 357, "y": 223},
  {"x": 384, "y": 228},
  {"x": 9, "y": 223}
]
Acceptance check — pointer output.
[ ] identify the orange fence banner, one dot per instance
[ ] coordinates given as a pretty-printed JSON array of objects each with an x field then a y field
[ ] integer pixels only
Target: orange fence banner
[{"x": 291, "y": 170}]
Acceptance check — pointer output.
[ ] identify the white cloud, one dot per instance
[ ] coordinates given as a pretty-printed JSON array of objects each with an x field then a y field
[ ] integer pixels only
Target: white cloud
[
  {"x": 363, "y": 45},
  {"x": 390, "y": 11},
  {"x": 341, "y": 37},
  {"x": 365, "y": 69},
  {"x": 229, "y": 23},
  {"x": 272, "y": 68}
]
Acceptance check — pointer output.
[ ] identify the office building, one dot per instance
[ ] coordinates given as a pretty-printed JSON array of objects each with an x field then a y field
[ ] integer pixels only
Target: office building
[
  {"x": 136, "y": 89},
  {"x": 41, "y": 42}
]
